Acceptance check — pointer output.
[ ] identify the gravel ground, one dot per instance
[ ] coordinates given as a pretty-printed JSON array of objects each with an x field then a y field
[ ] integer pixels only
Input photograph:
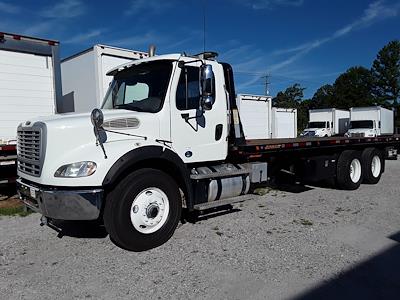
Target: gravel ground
[{"x": 311, "y": 243}]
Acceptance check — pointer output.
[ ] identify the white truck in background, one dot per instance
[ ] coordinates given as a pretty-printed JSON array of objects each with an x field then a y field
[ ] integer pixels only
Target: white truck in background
[
  {"x": 30, "y": 86},
  {"x": 327, "y": 122},
  {"x": 262, "y": 121},
  {"x": 84, "y": 78},
  {"x": 284, "y": 123},
  {"x": 370, "y": 122}
]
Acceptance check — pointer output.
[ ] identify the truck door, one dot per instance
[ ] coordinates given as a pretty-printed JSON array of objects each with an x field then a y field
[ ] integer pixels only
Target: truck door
[{"x": 197, "y": 135}]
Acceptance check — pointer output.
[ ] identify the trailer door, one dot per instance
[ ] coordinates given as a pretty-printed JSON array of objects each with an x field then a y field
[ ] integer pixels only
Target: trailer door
[{"x": 26, "y": 90}]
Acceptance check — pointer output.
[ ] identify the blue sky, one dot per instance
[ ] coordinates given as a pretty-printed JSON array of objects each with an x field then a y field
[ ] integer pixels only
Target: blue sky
[{"x": 306, "y": 41}]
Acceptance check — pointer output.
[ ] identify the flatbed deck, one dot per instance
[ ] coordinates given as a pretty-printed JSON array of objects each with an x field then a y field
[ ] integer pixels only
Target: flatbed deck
[{"x": 272, "y": 145}]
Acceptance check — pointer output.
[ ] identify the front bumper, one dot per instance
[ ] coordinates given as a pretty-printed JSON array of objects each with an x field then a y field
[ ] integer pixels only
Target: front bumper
[{"x": 61, "y": 204}]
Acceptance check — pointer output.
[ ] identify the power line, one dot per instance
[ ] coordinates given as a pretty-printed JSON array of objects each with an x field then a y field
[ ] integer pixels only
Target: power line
[{"x": 266, "y": 83}]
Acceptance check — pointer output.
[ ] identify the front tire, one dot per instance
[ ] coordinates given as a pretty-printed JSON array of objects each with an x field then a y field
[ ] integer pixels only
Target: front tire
[
  {"x": 143, "y": 210},
  {"x": 349, "y": 173}
]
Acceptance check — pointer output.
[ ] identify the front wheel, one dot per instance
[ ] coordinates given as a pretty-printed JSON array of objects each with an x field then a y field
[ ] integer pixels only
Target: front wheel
[{"x": 143, "y": 210}]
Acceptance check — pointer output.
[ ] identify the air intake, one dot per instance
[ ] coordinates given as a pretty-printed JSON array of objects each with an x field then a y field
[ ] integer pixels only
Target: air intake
[{"x": 125, "y": 123}]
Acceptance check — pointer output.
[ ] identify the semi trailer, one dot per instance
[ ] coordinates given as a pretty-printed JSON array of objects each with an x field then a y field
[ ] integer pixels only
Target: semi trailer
[
  {"x": 30, "y": 86},
  {"x": 370, "y": 121},
  {"x": 327, "y": 122},
  {"x": 169, "y": 137}
]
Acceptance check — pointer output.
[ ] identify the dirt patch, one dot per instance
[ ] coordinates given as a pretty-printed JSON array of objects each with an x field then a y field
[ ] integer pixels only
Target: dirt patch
[{"x": 10, "y": 202}]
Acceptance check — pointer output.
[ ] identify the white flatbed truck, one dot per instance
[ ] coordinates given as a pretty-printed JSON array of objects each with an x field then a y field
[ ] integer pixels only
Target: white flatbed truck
[{"x": 168, "y": 137}]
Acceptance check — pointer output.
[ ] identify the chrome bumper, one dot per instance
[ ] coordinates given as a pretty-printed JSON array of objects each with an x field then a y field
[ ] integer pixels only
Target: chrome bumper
[{"x": 61, "y": 204}]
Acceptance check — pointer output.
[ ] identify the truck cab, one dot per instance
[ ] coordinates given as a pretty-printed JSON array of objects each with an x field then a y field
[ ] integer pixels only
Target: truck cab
[
  {"x": 317, "y": 129},
  {"x": 363, "y": 128}
]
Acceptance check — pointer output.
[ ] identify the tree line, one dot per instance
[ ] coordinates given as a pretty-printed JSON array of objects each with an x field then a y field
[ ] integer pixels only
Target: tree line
[{"x": 358, "y": 86}]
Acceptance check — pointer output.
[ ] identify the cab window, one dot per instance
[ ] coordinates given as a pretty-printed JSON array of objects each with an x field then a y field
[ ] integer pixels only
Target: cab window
[{"x": 192, "y": 90}]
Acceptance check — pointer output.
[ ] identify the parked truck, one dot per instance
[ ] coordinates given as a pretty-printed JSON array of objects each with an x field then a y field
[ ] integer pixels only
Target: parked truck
[
  {"x": 84, "y": 78},
  {"x": 370, "y": 122},
  {"x": 30, "y": 86},
  {"x": 169, "y": 137},
  {"x": 327, "y": 122}
]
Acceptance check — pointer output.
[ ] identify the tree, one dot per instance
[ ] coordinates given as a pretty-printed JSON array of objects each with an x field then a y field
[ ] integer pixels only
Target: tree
[
  {"x": 386, "y": 73},
  {"x": 353, "y": 88},
  {"x": 323, "y": 97},
  {"x": 290, "y": 98}
]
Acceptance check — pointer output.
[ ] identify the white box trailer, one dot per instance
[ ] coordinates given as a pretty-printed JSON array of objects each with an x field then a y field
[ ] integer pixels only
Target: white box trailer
[
  {"x": 30, "y": 82},
  {"x": 370, "y": 121},
  {"x": 327, "y": 122},
  {"x": 84, "y": 78},
  {"x": 30, "y": 87},
  {"x": 255, "y": 115},
  {"x": 284, "y": 123}
]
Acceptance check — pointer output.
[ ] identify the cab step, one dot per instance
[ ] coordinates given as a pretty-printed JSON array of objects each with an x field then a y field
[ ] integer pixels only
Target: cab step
[{"x": 213, "y": 204}]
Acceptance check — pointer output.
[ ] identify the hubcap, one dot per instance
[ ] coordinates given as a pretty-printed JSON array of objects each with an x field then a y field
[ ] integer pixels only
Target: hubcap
[
  {"x": 376, "y": 166},
  {"x": 355, "y": 170},
  {"x": 149, "y": 210}
]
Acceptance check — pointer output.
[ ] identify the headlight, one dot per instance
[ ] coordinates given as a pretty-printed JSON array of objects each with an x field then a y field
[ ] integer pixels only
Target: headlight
[{"x": 78, "y": 169}]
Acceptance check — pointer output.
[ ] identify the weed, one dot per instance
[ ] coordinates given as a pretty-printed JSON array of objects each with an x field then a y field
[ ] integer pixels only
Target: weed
[{"x": 14, "y": 211}]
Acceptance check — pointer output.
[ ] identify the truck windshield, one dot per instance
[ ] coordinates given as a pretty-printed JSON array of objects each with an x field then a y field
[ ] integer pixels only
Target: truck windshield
[
  {"x": 140, "y": 88},
  {"x": 316, "y": 124},
  {"x": 362, "y": 124}
]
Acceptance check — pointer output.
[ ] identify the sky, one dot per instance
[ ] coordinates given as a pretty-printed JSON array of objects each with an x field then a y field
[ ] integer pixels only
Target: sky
[{"x": 309, "y": 42}]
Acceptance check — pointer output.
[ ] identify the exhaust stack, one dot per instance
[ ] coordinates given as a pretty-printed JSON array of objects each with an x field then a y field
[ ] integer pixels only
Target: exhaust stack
[{"x": 152, "y": 50}]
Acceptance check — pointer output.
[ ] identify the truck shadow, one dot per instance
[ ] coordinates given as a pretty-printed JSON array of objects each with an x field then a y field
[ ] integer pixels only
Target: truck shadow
[
  {"x": 80, "y": 229},
  {"x": 375, "y": 278},
  {"x": 196, "y": 216}
]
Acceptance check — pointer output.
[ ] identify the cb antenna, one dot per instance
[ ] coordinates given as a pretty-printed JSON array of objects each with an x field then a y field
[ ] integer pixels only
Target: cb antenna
[{"x": 204, "y": 26}]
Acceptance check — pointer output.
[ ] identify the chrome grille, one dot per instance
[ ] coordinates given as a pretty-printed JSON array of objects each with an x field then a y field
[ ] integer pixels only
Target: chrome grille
[
  {"x": 29, "y": 146},
  {"x": 357, "y": 134}
]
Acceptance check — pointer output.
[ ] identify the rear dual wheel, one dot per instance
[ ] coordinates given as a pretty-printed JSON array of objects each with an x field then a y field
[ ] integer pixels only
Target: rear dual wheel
[
  {"x": 373, "y": 165},
  {"x": 354, "y": 167},
  {"x": 349, "y": 170}
]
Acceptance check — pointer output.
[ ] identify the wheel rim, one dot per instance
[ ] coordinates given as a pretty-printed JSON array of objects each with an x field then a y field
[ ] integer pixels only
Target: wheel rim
[
  {"x": 149, "y": 210},
  {"x": 355, "y": 170},
  {"x": 376, "y": 166}
]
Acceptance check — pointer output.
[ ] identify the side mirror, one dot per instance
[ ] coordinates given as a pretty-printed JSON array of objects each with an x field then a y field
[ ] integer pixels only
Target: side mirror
[
  {"x": 207, "y": 87},
  {"x": 97, "y": 118}
]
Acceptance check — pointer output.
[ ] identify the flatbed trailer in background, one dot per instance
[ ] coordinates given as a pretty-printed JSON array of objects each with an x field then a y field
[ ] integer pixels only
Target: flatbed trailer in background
[{"x": 8, "y": 164}]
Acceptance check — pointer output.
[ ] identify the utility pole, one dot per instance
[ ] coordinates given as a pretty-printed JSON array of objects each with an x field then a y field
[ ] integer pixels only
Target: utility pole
[{"x": 267, "y": 83}]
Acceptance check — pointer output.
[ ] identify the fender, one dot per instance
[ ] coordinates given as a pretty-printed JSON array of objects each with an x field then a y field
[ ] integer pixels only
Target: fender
[{"x": 155, "y": 157}]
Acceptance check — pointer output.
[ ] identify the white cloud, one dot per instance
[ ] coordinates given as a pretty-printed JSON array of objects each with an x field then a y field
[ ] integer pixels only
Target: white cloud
[
  {"x": 142, "y": 40},
  {"x": 376, "y": 11},
  {"x": 64, "y": 9},
  {"x": 270, "y": 4},
  {"x": 83, "y": 37},
  {"x": 148, "y": 6},
  {"x": 9, "y": 8},
  {"x": 39, "y": 29}
]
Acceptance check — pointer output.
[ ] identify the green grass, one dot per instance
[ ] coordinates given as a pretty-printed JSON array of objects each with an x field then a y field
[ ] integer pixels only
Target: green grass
[{"x": 14, "y": 211}]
